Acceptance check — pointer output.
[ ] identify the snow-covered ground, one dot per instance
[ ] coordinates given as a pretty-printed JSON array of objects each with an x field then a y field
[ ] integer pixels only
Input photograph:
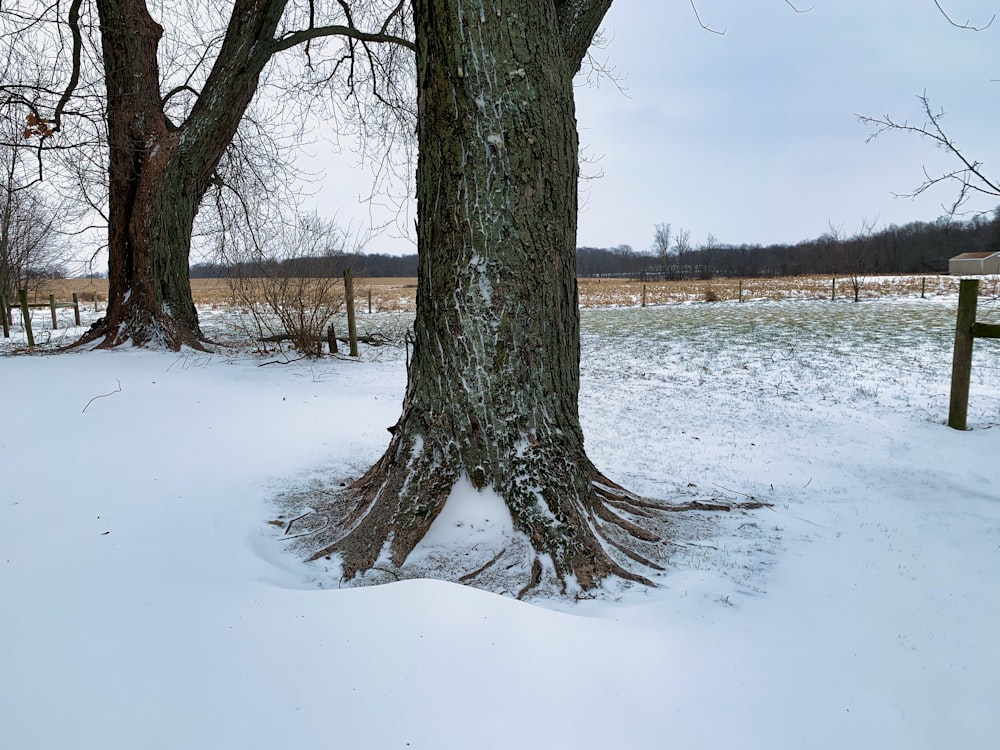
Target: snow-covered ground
[{"x": 146, "y": 603}]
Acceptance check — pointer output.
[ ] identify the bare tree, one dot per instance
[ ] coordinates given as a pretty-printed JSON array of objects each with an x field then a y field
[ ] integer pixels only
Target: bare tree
[
  {"x": 175, "y": 97},
  {"x": 682, "y": 249},
  {"x": 32, "y": 247},
  {"x": 492, "y": 393},
  {"x": 662, "y": 248},
  {"x": 493, "y": 384},
  {"x": 856, "y": 255},
  {"x": 707, "y": 254}
]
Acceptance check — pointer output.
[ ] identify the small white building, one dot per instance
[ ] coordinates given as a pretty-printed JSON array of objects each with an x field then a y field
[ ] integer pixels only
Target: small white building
[{"x": 974, "y": 264}]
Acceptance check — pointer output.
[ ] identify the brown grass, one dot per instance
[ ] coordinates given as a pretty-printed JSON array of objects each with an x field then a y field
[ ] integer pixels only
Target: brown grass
[
  {"x": 626, "y": 293},
  {"x": 399, "y": 294},
  {"x": 387, "y": 294}
]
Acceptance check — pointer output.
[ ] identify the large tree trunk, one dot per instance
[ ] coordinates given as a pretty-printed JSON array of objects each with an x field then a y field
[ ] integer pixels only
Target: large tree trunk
[
  {"x": 152, "y": 202},
  {"x": 159, "y": 172},
  {"x": 494, "y": 380}
]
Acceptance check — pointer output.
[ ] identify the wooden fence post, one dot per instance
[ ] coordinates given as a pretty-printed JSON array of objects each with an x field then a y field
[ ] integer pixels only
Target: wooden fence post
[
  {"x": 76, "y": 308},
  {"x": 740, "y": 297},
  {"x": 52, "y": 309},
  {"x": 643, "y": 295},
  {"x": 369, "y": 301},
  {"x": 961, "y": 366},
  {"x": 331, "y": 339},
  {"x": 6, "y": 312},
  {"x": 26, "y": 314},
  {"x": 833, "y": 290},
  {"x": 923, "y": 287},
  {"x": 352, "y": 331}
]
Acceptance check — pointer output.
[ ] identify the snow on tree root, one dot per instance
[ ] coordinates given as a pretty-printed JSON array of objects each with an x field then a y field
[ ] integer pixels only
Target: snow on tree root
[
  {"x": 139, "y": 328},
  {"x": 469, "y": 536}
]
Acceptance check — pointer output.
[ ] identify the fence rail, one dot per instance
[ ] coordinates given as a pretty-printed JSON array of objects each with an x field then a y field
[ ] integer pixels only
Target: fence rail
[{"x": 7, "y": 312}]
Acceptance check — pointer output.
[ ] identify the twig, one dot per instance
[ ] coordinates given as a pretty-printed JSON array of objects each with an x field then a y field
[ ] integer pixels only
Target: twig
[
  {"x": 791, "y": 5},
  {"x": 690, "y": 544},
  {"x": 104, "y": 395},
  {"x": 968, "y": 22},
  {"x": 327, "y": 523},
  {"x": 703, "y": 25},
  {"x": 798, "y": 518},
  {"x": 298, "y": 518},
  {"x": 281, "y": 362},
  {"x": 735, "y": 492}
]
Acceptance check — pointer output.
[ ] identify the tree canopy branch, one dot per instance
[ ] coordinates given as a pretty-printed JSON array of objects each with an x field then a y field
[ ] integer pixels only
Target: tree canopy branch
[
  {"x": 73, "y": 20},
  {"x": 578, "y": 23},
  {"x": 970, "y": 176},
  {"x": 298, "y": 37},
  {"x": 792, "y": 5},
  {"x": 704, "y": 25},
  {"x": 397, "y": 11},
  {"x": 179, "y": 90},
  {"x": 967, "y": 24}
]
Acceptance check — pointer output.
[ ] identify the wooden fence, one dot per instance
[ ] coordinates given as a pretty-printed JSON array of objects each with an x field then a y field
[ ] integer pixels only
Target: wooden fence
[
  {"x": 967, "y": 330},
  {"x": 7, "y": 310}
]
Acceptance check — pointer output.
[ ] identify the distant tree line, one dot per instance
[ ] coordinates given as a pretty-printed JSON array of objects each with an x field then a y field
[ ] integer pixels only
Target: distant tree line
[
  {"x": 917, "y": 247},
  {"x": 361, "y": 264}
]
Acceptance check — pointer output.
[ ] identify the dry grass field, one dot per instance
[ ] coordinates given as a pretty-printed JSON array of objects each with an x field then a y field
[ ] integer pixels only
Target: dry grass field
[
  {"x": 387, "y": 294},
  {"x": 399, "y": 294},
  {"x": 625, "y": 293}
]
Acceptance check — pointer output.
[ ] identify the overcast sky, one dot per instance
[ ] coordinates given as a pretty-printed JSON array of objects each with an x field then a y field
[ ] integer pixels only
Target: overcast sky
[{"x": 752, "y": 136}]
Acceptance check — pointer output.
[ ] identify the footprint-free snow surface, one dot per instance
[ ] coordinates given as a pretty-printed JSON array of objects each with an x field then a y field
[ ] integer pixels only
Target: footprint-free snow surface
[{"x": 147, "y": 603}]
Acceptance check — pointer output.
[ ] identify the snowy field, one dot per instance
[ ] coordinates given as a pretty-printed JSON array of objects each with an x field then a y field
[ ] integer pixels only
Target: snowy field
[{"x": 147, "y": 603}]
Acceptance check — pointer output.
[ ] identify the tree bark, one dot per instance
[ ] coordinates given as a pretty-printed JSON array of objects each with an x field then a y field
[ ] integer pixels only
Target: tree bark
[
  {"x": 494, "y": 380},
  {"x": 159, "y": 172}
]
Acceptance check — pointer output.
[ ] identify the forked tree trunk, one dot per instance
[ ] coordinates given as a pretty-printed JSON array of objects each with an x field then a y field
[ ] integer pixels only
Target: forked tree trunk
[
  {"x": 494, "y": 379},
  {"x": 152, "y": 202},
  {"x": 159, "y": 172}
]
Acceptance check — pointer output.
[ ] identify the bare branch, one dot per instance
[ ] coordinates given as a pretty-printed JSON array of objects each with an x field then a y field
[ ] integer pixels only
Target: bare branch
[
  {"x": 298, "y": 37},
  {"x": 73, "y": 19},
  {"x": 178, "y": 90},
  {"x": 104, "y": 395},
  {"x": 970, "y": 176},
  {"x": 598, "y": 70},
  {"x": 791, "y": 5},
  {"x": 579, "y": 21},
  {"x": 708, "y": 28},
  {"x": 968, "y": 22},
  {"x": 703, "y": 25},
  {"x": 397, "y": 11}
]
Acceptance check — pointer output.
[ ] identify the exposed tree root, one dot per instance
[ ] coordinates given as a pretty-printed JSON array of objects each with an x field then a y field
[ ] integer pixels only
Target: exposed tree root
[
  {"x": 140, "y": 329},
  {"x": 631, "y": 554},
  {"x": 373, "y": 526},
  {"x": 536, "y": 578},
  {"x": 606, "y": 514},
  {"x": 469, "y": 576}
]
